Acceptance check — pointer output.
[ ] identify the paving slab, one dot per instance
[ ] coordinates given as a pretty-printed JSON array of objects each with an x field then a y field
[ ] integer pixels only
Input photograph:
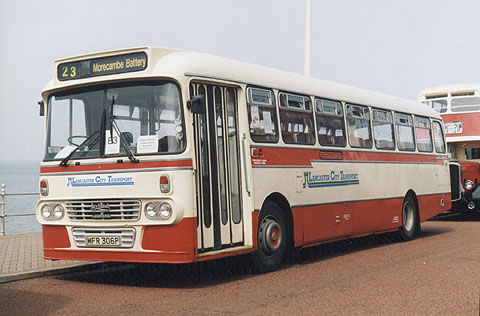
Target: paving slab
[{"x": 21, "y": 257}]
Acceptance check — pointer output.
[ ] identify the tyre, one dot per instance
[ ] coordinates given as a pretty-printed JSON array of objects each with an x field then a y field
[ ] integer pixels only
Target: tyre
[
  {"x": 410, "y": 221},
  {"x": 271, "y": 239}
]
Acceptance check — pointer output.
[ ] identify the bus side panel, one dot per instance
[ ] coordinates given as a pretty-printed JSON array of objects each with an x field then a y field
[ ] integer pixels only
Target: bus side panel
[
  {"x": 431, "y": 205},
  {"x": 331, "y": 221}
]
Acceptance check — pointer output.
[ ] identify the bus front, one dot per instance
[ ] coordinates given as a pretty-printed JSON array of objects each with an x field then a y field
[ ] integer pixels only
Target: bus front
[{"x": 116, "y": 181}]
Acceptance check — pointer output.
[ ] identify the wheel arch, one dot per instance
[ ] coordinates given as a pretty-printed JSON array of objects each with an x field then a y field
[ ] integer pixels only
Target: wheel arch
[
  {"x": 415, "y": 199},
  {"x": 280, "y": 200}
]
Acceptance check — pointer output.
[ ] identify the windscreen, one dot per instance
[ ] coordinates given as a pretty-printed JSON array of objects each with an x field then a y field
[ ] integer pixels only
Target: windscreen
[{"x": 141, "y": 118}]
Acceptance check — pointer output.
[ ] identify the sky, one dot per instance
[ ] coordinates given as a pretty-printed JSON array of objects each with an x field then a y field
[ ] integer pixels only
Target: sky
[{"x": 396, "y": 47}]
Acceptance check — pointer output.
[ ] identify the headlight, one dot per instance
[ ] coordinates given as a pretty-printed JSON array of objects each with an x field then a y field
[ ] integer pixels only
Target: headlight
[
  {"x": 46, "y": 211},
  {"x": 165, "y": 211},
  {"x": 469, "y": 185},
  {"x": 151, "y": 210},
  {"x": 158, "y": 210},
  {"x": 58, "y": 211}
]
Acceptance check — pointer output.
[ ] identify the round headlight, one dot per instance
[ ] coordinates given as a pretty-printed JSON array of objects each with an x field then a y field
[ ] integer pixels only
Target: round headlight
[
  {"x": 165, "y": 211},
  {"x": 469, "y": 184},
  {"x": 58, "y": 211},
  {"x": 46, "y": 211},
  {"x": 151, "y": 210}
]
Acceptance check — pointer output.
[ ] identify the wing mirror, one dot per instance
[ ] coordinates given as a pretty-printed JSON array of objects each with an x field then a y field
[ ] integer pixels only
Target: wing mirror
[
  {"x": 197, "y": 104},
  {"x": 42, "y": 108}
]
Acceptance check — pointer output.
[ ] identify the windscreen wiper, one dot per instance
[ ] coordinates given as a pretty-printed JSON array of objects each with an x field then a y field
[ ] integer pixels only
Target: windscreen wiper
[
  {"x": 93, "y": 137},
  {"x": 114, "y": 125}
]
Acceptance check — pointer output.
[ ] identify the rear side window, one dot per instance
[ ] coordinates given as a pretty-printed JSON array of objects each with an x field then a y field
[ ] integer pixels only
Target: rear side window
[
  {"x": 383, "y": 129},
  {"x": 424, "y": 134},
  {"x": 358, "y": 126},
  {"x": 438, "y": 138},
  {"x": 296, "y": 119},
  {"x": 262, "y": 116},
  {"x": 405, "y": 138},
  {"x": 330, "y": 123}
]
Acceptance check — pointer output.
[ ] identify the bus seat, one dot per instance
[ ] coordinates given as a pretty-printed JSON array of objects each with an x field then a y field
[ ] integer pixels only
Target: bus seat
[
  {"x": 288, "y": 137},
  {"x": 168, "y": 144}
]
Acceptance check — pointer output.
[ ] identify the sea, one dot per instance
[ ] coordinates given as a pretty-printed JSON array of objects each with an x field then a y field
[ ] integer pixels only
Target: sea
[{"x": 20, "y": 177}]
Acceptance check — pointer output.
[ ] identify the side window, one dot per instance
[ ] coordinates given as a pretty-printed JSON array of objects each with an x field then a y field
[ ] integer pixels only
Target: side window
[
  {"x": 439, "y": 105},
  {"x": 262, "y": 116},
  {"x": 438, "y": 137},
  {"x": 358, "y": 126},
  {"x": 296, "y": 119},
  {"x": 330, "y": 123},
  {"x": 424, "y": 134},
  {"x": 405, "y": 139},
  {"x": 383, "y": 129}
]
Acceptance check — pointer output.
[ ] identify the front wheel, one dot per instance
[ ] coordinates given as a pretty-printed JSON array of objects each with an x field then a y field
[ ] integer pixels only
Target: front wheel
[
  {"x": 271, "y": 239},
  {"x": 410, "y": 220}
]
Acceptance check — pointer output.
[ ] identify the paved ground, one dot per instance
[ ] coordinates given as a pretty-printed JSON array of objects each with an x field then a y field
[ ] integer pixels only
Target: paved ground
[
  {"x": 436, "y": 274},
  {"x": 21, "y": 257}
]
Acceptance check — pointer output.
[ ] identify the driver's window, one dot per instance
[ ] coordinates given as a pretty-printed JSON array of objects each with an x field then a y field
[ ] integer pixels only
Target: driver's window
[{"x": 69, "y": 111}]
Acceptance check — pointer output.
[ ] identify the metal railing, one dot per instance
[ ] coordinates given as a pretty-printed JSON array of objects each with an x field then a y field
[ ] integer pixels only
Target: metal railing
[{"x": 3, "y": 215}]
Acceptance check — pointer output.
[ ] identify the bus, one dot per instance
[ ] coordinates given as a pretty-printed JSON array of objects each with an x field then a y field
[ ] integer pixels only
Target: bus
[
  {"x": 459, "y": 106},
  {"x": 160, "y": 155}
]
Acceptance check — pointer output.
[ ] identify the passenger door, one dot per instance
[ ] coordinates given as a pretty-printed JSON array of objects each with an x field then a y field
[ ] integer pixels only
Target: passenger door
[{"x": 219, "y": 209}]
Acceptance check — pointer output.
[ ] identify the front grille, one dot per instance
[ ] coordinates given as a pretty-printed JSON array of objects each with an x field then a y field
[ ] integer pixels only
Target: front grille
[
  {"x": 103, "y": 210},
  {"x": 455, "y": 181},
  {"x": 126, "y": 235}
]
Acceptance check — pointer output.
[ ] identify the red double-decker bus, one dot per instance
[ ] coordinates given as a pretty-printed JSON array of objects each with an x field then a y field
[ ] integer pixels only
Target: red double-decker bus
[{"x": 459, "y": 106}]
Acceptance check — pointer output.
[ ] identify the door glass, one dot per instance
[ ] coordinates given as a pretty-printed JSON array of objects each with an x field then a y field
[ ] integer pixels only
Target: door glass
[
  {"x": 205, "y": 168},
  {"x": 233, "y": 155},
  {"x": 220, "y": 155}
]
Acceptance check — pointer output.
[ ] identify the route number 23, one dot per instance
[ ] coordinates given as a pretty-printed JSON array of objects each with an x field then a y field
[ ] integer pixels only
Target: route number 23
[{"x": 69, "y": 72}]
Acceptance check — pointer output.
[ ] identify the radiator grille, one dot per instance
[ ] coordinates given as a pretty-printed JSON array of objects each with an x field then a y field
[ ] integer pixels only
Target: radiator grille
[
  {"x": 103, "y": 210},
  {"x": 126, "y": 235}
]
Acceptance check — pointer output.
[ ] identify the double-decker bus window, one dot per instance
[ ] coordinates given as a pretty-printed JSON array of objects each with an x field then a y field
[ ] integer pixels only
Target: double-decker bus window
[
  {"x": 424, "y": 134},
  {"x": 358, "y": 125},
  {"x": 438, "y": 138},
  {"x": 383, "y": 129},
  {"x": 296, "y": 119},
  {"x": 465, "y": 104},
  {"x": 405, "y": 136},
  {"x": 439, "y": 105},
  {"x": 330, "y": 123},
  {"x": 262, "y": 116},
  {"x": 472, "y": 153}
]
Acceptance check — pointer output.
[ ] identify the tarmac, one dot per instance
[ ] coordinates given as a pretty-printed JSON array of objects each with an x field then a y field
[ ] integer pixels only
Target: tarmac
[{"x": 21, "y": 257}]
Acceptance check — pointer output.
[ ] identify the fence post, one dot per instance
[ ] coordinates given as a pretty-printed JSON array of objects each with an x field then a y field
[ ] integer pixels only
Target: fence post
[{"x": 2, "y": 212}]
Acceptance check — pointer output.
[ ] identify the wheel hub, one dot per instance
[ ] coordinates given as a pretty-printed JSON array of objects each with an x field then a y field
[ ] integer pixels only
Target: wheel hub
[{"x": 270, "y": 237}]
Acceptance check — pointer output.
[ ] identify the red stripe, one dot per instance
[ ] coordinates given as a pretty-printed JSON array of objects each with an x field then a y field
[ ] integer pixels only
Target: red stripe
[
  {"x": 284, "y": 156},
  {"x": 118, "y": 166}
]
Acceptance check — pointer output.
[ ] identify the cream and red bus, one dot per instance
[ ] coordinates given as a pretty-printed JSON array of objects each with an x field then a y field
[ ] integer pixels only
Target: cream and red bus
[
  {"x": 459, "y": 106},
  {"x": 169, "y": 156}
]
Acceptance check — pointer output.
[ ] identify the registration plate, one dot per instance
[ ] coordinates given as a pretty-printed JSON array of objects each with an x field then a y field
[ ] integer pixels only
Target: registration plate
[{"x": 102, "y": 241}]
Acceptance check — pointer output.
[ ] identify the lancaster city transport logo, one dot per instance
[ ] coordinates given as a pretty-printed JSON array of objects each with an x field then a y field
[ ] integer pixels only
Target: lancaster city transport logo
[
  {"x": 101, "y": 180},
  {"x": 330, "y": 179}
]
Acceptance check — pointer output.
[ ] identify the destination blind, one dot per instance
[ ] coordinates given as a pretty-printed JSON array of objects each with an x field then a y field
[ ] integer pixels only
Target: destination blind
[{"x": 102, "y": 66}]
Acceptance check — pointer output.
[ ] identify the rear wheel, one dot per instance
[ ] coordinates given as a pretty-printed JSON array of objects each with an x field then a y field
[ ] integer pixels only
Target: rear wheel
[
  {"x": 271, "y": 239},
  {"x": 410, "y": 220}
]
